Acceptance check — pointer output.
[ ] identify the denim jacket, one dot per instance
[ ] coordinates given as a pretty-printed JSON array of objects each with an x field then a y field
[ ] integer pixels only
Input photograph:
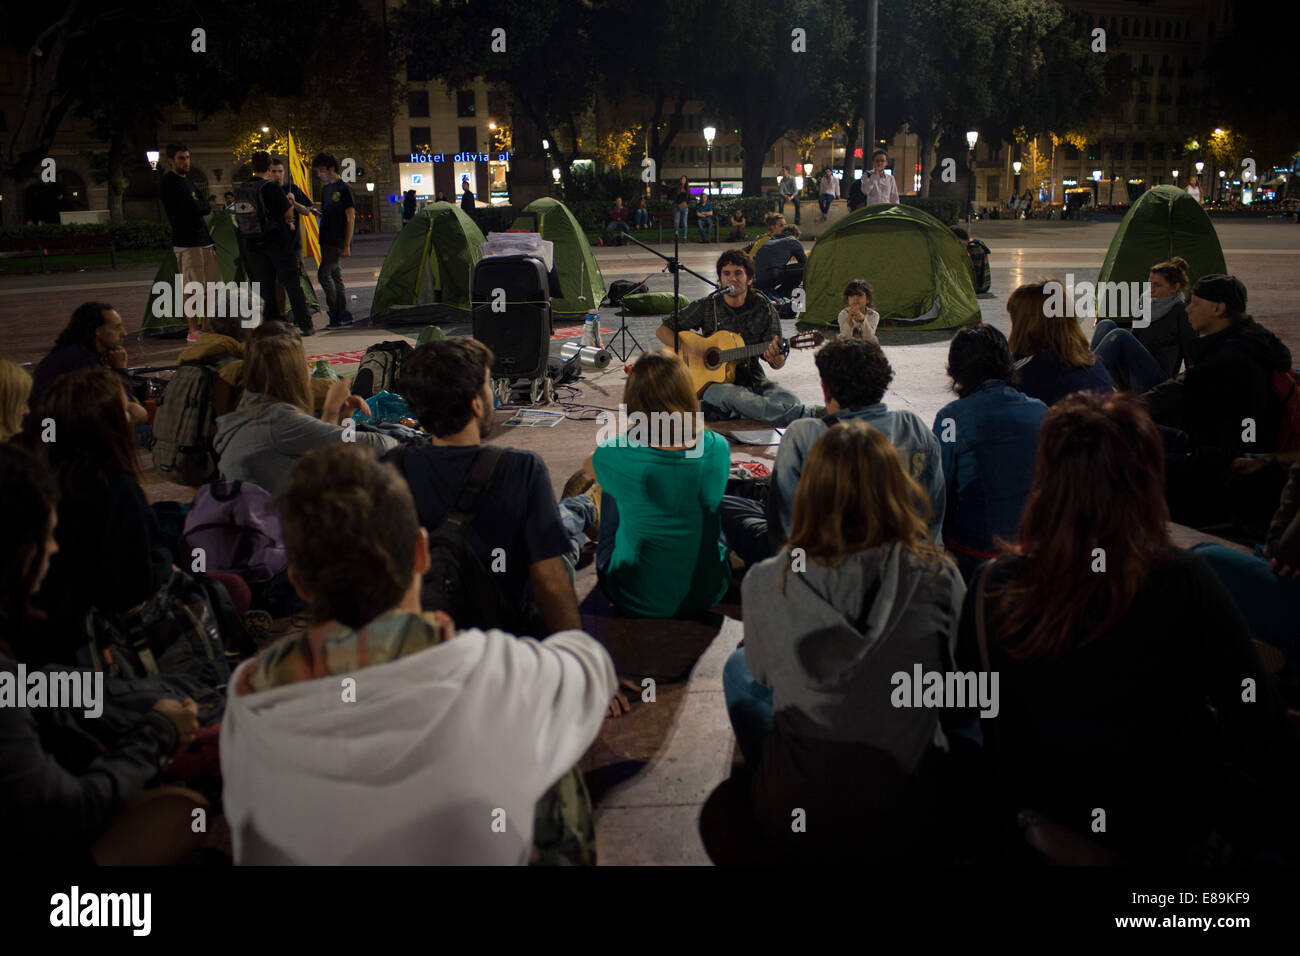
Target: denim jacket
[
  {"x": 988, "y": 441},
  {"x": 906, "y": 431}
]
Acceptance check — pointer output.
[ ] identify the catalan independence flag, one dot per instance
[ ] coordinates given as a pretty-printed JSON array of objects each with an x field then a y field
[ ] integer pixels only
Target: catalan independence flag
[{"x": 300, "y": 176}]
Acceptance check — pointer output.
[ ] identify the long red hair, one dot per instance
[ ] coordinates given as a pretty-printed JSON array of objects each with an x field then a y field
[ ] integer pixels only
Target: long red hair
[{"x": 1099, "y": 483}]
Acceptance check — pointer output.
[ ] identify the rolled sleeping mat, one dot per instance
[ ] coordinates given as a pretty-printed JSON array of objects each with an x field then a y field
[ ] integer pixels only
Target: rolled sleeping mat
[{"x": 589, "y": 355}]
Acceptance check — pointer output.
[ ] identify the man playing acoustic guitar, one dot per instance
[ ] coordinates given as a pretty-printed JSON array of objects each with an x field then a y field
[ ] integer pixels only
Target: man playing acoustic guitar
[{"x": 737, "y": 308}]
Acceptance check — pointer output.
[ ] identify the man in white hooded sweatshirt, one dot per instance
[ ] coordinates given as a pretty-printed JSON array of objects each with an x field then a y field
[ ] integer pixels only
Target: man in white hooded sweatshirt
[{"x": 379, "y": 735}]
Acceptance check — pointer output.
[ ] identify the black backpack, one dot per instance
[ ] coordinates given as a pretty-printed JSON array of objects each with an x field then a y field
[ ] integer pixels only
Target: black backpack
[
  {"x": 380, "y": 367},
  {"x": 185, "y": 424},
  {"x": 457, "y": 582},
  {"x": 250, "y": 211}
]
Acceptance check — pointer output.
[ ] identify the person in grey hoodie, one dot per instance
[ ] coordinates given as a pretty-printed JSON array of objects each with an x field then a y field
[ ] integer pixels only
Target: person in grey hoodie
[
  {"x": 273, "y": 426},
  {"x": 859, "y": 594}
]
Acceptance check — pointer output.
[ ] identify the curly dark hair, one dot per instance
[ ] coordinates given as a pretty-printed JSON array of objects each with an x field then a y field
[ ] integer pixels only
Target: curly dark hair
[
  {"x": 977, "y": 354},
  {"x": 326, "y": 160},
  {"x": 342, "y": 491},
  {"x": 736, "y": 257},
  {"x": 856, "y": 373},
  {"x": 440, "y": 381},
  {"x": 81, "y": 328},
  {"x": 31, "y": 498}
]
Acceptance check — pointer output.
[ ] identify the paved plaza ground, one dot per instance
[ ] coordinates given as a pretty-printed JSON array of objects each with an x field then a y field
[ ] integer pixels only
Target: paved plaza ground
[{"x": 651, "y": 770}]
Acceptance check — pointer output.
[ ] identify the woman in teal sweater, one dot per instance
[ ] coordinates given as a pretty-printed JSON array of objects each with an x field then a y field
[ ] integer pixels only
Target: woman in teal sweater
[{"x": 659, "y": 552}]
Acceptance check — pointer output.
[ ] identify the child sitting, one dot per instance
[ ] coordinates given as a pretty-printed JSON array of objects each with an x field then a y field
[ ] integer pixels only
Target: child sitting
[{"x": 858, "y": 320}]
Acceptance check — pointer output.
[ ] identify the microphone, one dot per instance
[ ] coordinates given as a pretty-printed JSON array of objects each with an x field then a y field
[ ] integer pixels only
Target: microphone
[{"x": 725, "y": 290}]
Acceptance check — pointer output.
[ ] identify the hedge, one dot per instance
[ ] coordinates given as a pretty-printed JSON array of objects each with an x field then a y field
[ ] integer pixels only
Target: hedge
[
  {"x": 947, "y": 209},
  {"x": 126, "y": 233}
]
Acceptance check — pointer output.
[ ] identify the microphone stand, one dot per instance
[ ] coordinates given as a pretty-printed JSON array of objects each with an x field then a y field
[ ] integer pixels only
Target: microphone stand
[{"x": 676, "y": 268}]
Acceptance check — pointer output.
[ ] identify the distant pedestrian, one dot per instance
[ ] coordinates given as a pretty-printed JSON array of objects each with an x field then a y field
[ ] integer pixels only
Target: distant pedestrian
[
  {"x": 230, "y": 199},
  {"x": 408, "y": 206},
  {"x": 738, "y": 223},
  {"x": 704, "y": 219},
  {"x": 827, "y": 192},
  {"x": 641, "y": 218},
  {"x": 1194, "y": 189},
  {"x": 466, "y": 195},
  {"x": 274, "y": 251},
  {"x": 879, "y": 187},
  {"x": 302, "y": 206},
  {"x": 615, "y": 224},
  {"x": 441, "y": 197},
  {"x": 681, "y": 207},
  {"x": 789, "y": 192},
  {"x": 196, "y": 256},
  {"x": 338, "y": 218}
]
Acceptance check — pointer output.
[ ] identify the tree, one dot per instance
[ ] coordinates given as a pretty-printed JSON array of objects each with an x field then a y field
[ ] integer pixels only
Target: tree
[
  {"x": 540, "y": 54},
  {"x": 769, "y": 81}
]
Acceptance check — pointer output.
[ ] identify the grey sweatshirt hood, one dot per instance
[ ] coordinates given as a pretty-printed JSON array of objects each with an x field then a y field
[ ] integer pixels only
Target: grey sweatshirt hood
[{"x": 830, "y": 644}]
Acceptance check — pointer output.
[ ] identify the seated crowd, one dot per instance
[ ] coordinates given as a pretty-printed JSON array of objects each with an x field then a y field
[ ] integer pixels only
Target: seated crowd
[{"x": 1022, "y": 540}]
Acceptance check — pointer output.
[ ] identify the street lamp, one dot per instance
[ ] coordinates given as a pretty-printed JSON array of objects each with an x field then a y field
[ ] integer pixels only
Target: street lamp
[
  {"x": 370, "y": 187},
  {"x": 1017, "y": 167},
  {"x": 709, "y": 133},
  {"x": 972, "y": 137},
  {"x": 152, "y": 155},
  {"x": 1175, "y": 177},
  {"x": 1222, "y": 173},
  {"x": 1199, "y": 166}
]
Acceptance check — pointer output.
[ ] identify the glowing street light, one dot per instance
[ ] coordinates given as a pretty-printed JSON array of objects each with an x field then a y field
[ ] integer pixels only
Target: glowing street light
[
  {"x": 1199, "y": 166},
  {"x": 709, "y": 133},
  {"x": 152, "y": 155},
  {"x": 1016, "y": 166},
  {"x": 370, "y": 187},
  {"x": 266, "y": 129},
  {"x": 555, "y": 174},
  {"x": 972, "y": 137}
]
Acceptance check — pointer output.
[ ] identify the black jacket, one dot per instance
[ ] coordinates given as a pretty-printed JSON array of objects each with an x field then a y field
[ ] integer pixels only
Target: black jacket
[
  {"x": 54, "y": 812},
  {"x": 1230, "y": 379},
  {"x": 1170, "y": 339}
]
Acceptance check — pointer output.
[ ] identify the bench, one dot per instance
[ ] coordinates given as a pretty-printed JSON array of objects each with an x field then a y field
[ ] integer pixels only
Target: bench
[{"x": 44, "y": 246}]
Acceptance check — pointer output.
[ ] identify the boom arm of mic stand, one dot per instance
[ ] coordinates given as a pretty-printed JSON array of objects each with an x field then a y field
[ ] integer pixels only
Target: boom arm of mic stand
[{"x": 675, "y": 267}]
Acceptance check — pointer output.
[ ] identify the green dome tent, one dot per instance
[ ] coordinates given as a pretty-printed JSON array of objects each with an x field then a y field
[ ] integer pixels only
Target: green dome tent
[
  {"x": 1163, "y": 223},
  {"x": 582, "y": 287},
  {"x": 918, "y": 269},
  {"x": 231, "y": 262},
  {"x": 427, "y": 271}
]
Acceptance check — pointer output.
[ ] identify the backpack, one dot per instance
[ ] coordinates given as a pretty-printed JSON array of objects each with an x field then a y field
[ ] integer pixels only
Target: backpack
[
  {"x": 184, "y": 425},
  {"x": 251, "y": 218},
  {"x": 380, "y": 367},
  {"x": 174, "y": 632},
  {"x": 238, "y": 531},
  {"x": 457, "y": 582},
  {"x": 621, "y": 287},
  {"x": 1286, "y": 386},
  {"x": 979, "y": 259}
]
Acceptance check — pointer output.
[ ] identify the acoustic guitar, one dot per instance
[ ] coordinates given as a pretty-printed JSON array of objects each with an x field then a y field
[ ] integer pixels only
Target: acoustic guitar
[{"x": 723, "y": 351}]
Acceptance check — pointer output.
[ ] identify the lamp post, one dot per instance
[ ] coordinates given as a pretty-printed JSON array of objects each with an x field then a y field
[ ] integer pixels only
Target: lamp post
[
  {"x": 1017, "y": 166},
  {"x": 1222, "y": 174},
  {"x": 709, "y": 133},
  {"x": 1175, "y": 172},
  {"x": 972, "y": 137},
  {"x": 152, "y": 155}
]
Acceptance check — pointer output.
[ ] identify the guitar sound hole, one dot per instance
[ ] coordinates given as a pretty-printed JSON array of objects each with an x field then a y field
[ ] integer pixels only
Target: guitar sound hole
[{"x": 712, "y": 358}]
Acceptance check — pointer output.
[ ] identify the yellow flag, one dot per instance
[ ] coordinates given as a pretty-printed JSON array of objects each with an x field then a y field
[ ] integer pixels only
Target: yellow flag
[{"x": 300, "y": 176}]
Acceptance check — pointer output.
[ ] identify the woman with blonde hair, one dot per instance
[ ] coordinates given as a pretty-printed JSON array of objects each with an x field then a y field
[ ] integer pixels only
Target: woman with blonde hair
[
  {"x": 859, "y": 594},
  {"x": 1052, "y": 354},
  {"x": 15, "y": 387},
  {"x": 659, "y": 549},
  {"x": 273, "y": 426}
]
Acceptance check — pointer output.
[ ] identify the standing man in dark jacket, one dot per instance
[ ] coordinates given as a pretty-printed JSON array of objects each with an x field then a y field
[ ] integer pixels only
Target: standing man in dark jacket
[
  {"x": 338, "y": 217},
  {"x": 196, "y": 256},
  {"x": 1223, "y": 406},
  {"x": 273, "y": 253}
]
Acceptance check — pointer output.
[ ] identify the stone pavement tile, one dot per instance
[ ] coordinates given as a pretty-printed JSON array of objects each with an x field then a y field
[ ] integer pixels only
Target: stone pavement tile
[{"x": 650, "y": 836}]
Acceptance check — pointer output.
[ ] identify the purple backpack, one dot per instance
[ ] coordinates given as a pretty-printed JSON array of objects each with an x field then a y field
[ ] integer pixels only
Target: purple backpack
[{"x": 233, "y": 523}]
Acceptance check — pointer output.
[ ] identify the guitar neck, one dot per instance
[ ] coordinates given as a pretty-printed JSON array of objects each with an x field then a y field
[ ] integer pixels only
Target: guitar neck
[{"x": 742, "y": 353}]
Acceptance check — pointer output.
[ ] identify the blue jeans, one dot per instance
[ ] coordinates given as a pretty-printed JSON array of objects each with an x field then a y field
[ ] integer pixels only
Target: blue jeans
[
  {"x": 1270, "y": 604},
  {"x": 744, "y": 528},
  {"x": 576, "y": 514},
  {"x": 616, "y": 226},
  {"x": 768, "y": 403},
  {"x": 705, "y": 226},
  {"x": 749, "y": 705},
  {"x": 1130, "y": 365},
  {"x": 330, "y": 277},
  {"x": 679, "y": 221},
  {"x": 824, "y": 202},
  {"x": 793, "y": 199},
  {"x": 641, "y": 218}
]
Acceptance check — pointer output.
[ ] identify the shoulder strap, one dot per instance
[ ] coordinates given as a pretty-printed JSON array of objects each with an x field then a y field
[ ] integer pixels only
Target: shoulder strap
[
  {"x": 981, "y": 629},
  {"x": 480, "y": 476}
]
